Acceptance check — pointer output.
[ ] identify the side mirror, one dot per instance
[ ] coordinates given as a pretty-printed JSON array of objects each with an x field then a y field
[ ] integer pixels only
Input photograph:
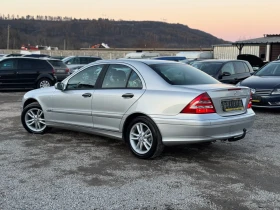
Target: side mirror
[
  {"x": 59, "y": 86},
  {"x": 226, "y": 74},
  {"x": 68, "y": 63}
]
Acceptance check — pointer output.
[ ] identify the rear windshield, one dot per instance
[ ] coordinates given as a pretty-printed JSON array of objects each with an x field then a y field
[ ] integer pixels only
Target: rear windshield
[
  {"x": 182, "y": 74},
  {"x": 271, "y": 69},
  {"x": 57, "y": 64},
  {"x": 208, "y": 68}
]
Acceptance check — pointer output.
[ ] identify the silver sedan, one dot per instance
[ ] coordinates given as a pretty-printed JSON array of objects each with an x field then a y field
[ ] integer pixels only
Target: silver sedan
[{"x": 147, "y": 103}]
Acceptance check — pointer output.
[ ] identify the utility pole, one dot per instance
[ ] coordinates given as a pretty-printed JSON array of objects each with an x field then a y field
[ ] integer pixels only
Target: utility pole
[{"x": 8, "y": 37}]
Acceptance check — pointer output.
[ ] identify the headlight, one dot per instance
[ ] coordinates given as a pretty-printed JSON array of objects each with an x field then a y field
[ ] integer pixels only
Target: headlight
[
  {"x": 238, "y": 84},
  {"x": 276, "y": 92}
]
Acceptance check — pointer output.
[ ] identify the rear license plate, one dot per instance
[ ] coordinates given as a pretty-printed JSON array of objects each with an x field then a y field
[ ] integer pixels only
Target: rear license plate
[
  {"x": 232, "y": 105},
  {"x": 60, "y": 71}
]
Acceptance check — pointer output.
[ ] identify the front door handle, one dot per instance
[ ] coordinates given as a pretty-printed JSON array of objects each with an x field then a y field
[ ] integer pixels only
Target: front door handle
[
  {"x": 86, "y": 95},
  {"x": 128, "y": 95}
]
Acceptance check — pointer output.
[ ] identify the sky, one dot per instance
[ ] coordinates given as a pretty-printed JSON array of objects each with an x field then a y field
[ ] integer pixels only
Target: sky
[{"x": 231, "y": 20}]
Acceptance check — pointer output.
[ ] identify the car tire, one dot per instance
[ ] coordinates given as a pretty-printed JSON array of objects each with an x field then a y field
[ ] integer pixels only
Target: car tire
[
  {"x": 144, "y": 138},
  {"x": 32, "y": 119},
  {"x": 43, "y": 83}
]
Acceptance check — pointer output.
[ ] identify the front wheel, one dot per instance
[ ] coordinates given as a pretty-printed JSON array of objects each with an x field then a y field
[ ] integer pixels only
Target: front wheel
[
  {"x": 33, "y": 120},
  {"x": 144, "y": 138}
]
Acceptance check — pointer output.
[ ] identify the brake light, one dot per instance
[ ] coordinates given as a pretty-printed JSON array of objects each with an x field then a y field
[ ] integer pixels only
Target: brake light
[
  {"x": 53, "y": 71},
  {"x": 202, "y": 104},
  {"x": 250, "y": 101},
  {"x": 67, "y": 70}
]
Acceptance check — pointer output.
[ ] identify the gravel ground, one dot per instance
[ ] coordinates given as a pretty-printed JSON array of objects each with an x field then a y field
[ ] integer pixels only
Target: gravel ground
[{"x": 70, "y": 170}]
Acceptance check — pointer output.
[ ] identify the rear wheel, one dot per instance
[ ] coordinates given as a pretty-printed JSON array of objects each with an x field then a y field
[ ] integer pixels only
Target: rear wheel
[
  {"x": 44, "y": 82},
  {"x": 33, "y": 119},
  {"x": 144, "y": 138}
]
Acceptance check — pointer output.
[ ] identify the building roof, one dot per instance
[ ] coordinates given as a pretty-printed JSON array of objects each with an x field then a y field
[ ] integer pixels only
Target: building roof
[{"x": 268, "y": 39}]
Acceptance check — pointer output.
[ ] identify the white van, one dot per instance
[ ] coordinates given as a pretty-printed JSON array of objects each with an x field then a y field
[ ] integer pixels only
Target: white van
[{"x": 141, "y": 55}]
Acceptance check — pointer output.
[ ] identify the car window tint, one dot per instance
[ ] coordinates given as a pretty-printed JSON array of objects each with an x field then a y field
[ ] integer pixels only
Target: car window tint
[
  {"x": 57, "y": 64},
  {"x": 209, "y": 68},
  {"x": 239, "y": 67},
  {"x": 181, "y": 74},
  {"x": 8, "y": 64},
  {"x": 84, "y": 60},
  {"x": 271, "y": 69},
  {"x": 24, "y": 64},
  {"x": 246, "y": 67},
  {"x": 116, "y": 76},
  {"x": 228, "y": 67},
  {"x": 85, "y": 79},
  {"x": 40, "y": 64},
  {"x": 134, "y": 81}
]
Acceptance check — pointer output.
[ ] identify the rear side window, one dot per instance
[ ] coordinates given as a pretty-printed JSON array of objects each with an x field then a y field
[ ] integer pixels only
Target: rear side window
[
  {"x": 40, "y": 64},
  {"x": 209, "y": 68},
  {"x": 57, "y": 64},
  {"x": 181, "y": 74},
  {"x": 239, "y": 67}
]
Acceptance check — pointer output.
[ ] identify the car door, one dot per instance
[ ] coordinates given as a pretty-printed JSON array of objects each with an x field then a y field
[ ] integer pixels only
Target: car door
[
  {"x": 241, "y": 71},
  {"x": 73, "y": 105},
  {"x": 121, "y": 88},
  {"x": 28, "y": 71},
  {"x": 8, "y": 73},
  {"x": 227, "y": 73}
]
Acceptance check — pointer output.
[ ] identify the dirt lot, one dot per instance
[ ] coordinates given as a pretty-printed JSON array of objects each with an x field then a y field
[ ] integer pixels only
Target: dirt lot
[{"x": 70, "y": 170}]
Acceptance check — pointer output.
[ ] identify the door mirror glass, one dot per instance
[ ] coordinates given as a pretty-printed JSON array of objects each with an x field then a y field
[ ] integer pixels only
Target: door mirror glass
[{"x": 59, "y": 86}]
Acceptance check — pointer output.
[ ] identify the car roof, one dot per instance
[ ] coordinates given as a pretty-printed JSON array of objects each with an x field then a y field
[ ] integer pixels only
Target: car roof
[
  {"x": 28, "y": 58},
  {"x": 217, "y": 61},
  {"x": 145, "y": 61}
]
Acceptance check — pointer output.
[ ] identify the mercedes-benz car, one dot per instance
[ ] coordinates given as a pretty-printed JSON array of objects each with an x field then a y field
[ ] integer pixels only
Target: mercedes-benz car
[{"x": 147, "y": 103}]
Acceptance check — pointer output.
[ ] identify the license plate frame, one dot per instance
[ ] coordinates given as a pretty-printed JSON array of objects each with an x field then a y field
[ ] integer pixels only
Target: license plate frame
[{"x": 230, "y": 105}]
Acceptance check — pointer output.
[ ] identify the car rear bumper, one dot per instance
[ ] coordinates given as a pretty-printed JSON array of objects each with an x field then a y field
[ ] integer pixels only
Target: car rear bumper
[
  {"x": 185, "y": 131},
  {"x": 60, "y": 77}
]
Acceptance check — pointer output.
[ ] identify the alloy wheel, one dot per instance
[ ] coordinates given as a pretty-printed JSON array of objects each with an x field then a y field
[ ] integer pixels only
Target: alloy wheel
[
  {"x": 34, "y": 120},
  {"x": 141, "y": 138}
]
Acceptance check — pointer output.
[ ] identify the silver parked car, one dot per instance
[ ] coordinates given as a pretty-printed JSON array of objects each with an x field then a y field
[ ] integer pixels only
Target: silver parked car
[{"x": 147, "y": 103}]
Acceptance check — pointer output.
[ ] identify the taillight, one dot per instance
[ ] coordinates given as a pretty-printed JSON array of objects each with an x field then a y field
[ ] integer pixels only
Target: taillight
[
  {"x": 202, "y": 104},
  {"x": 250, "y": 101},
  {"x": 53, "y": 71},
  {"x": 67, "y": 70}
]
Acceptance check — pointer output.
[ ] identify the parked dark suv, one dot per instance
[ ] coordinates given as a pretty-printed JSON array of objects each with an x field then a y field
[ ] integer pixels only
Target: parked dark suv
[
  {"x": 226, "y": 71},
  {"x": 20, "y": 72}
]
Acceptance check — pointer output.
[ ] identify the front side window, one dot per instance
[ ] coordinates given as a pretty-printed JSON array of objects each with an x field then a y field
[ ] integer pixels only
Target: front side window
[
  {"x": 229, "y": 68},
  {"x": 239, "y": 67},
  {"x": 8, "y": 65},
  {"x": 181, "y": 74},
  {"x": 85, "y": 79},
  {"x": 116, "y": 76}
]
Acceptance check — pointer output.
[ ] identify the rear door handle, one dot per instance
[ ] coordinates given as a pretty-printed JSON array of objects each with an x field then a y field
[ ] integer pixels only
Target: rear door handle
[
  {"x": 86, "y": 95},
  {"x": 128, "y": 95}
]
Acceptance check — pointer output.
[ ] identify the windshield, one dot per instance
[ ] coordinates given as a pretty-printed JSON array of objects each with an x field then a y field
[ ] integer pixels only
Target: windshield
[
  {"x": 181, "y": 74},
  {"x": 271, "y": 69},
  {"x": 208, "y": 68},
  {"x": 66, "y": 59}
]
